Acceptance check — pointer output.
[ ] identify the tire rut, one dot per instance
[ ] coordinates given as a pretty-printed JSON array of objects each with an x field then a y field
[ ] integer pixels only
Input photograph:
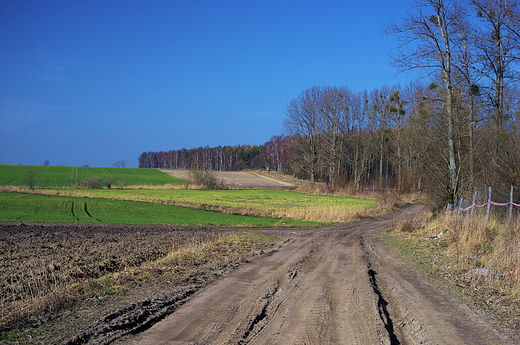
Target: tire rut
[
  {"x": 72, "y": 211},
  {"x": 88, "y": 213},
  {"x": 382, "y": 303},
  {"x": 275, "y": 298},
  {"x": 258, "y": 323},
  {"x": 382, "y": 309},
  {"x": 135, "y": 318}
]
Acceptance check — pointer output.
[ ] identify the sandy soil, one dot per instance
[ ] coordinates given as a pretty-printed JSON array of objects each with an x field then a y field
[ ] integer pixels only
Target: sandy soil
[
  {"x": 332, "y": 286},
  {"x": 240, "y": 179}
]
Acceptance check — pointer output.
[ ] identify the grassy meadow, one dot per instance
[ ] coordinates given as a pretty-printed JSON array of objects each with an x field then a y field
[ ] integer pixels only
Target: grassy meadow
[
  {"x": 146, "y": 196},
  {"x": 17, "y": 207},
  {"x": 69, "y": 177},
  {"x": 253, "y": 198}
]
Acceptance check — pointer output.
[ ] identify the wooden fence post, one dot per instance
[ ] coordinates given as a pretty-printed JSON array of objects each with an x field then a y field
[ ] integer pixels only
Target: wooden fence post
[
  {"x": 458, "y": 205},
  {"x": 459, "y": 208},
  {"x": 474, "y": 202},
  {"x": 490, "y": 193}
]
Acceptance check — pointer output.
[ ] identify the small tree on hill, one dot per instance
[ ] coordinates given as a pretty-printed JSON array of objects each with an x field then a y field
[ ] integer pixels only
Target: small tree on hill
[{"x": 31, "y": 180}]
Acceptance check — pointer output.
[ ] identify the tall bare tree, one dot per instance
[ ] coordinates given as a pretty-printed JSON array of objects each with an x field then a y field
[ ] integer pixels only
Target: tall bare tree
[
  {"x": 380, "y": 124},
  {"x": 427, "y": 38},
  {"x": 305, "y": 123},
  {"x": 497, "y": 49},
  {"x": 471, "y": 91},
  {"x": 336, "y": 105},
  {"x": 395, "y": 107}
]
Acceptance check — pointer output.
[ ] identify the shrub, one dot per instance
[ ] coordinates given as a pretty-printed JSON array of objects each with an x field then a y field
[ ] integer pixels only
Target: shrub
[
  {"x": 412, "y": 223},
  {"x": 110, "y": 182},
  {"x": 207, "y": 179},
  {"x": 91, "y": 182}
]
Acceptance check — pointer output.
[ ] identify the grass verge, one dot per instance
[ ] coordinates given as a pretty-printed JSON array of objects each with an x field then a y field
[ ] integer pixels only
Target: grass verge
[{"x": 478, "y": 259}]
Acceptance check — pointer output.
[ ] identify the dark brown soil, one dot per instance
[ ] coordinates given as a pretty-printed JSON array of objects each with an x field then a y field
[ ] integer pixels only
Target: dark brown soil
[
  {"x": 88, "y": 250},
  {"x": 48, "y": 275}
]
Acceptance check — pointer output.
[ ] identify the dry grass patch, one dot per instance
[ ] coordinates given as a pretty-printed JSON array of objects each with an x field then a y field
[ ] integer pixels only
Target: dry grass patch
[
  {"x": 329, "y": 213},
  {"x": 477, "y": 259},
  {"x": 13, "y": 189},
  {"x": 480, "y": 254},
  {"x": 387, "y": 199},
  {"x": 413, "y": 223}
]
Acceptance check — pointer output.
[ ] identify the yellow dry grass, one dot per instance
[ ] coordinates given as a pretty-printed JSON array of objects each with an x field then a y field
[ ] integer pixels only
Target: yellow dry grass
[
  {"x": 472, "y": 243},
  {"x": 324, "y": 214}
]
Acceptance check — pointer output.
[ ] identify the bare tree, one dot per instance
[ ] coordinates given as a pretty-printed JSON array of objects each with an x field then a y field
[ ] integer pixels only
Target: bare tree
[
  {"x": 335, "y": 108},
  {"x": 427, "y": 39},
  {"x": 497, "y": 49},
  {"x": 274, "y": 153},
  {"x": 395, "y": 107},
  {"x": 120, "y": 164},
  {"x": 471, "y": 88},
  {"x": 31, "y": 180},
  {"x": 305, "y": 123},
  {"x": 380, "y": 126}
]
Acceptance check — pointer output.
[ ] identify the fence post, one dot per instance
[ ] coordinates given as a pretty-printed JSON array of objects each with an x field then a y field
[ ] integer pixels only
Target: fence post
[
  {"x": 490, "y": 193},
  {"x": 511, "y": 192},
  {"x": 459, "y": 208},
  {"x": 474, "y": 202}
]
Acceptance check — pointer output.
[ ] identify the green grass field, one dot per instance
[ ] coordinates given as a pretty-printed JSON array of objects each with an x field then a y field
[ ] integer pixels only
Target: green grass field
[
  {"x": 271, "y": 200},
  {"x": 59, "y": 177},
  {"x": 63, "y": 203},
  {"x": 15, "y": 207}
]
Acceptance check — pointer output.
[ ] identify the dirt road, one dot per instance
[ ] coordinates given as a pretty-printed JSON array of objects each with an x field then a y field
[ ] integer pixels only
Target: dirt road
[{"x": 332, "y": 286}]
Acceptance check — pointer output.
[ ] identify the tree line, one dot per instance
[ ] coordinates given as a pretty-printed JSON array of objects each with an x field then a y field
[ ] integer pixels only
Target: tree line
[
  {"x": 227, "y": 158},
  {"x": 455, "y": 129},
  {"x": 470, "y": 48}
]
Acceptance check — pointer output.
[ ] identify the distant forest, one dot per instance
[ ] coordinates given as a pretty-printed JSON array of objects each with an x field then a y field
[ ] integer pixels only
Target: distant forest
[
  {"x": 227, "y": 158},
  {"x": 456, "y": 130}
]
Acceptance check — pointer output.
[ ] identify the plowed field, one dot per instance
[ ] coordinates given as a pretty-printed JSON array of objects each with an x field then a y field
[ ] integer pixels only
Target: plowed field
[{"x": 239, "y": 179}]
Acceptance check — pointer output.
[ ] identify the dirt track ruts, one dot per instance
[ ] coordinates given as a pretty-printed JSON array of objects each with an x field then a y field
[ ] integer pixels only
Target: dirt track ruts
[{"x": 333, "y": 286}]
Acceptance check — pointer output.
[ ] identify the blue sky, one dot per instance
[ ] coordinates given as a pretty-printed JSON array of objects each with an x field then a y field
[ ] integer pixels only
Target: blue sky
[{"x": 95, "y": 82}]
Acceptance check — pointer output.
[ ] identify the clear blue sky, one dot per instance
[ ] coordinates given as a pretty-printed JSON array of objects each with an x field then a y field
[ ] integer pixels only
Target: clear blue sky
[{"x": 95, "y": 82}]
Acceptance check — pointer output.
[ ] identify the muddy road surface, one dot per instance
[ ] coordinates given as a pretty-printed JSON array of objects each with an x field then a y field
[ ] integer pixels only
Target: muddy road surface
[{"x": 333, "y": 286}]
